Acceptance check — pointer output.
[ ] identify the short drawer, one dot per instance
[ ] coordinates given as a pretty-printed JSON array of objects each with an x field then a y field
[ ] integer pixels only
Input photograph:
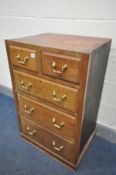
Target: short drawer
[
  {"x": 52, "y": 119},
  {"x": 23, "y": 57},
  {"x": 57, "y": 94},
  {"x": 60, "y": 146},
  {"x": 61, "y": 66}
]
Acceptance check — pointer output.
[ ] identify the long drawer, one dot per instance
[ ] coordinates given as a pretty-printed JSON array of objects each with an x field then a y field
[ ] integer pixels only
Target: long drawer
[
  {"x": 63, "y": 96},
  {"x": 49, "y": 117},
  {"x": 60, "y": 146}
]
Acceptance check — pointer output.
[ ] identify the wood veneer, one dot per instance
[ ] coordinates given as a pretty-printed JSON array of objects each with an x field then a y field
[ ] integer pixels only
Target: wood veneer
[{"x": 58, "y": 65}]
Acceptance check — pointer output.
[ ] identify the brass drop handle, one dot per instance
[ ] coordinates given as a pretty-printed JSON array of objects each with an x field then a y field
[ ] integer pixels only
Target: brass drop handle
[
  {"x": 54, "y": 67},
  {"x": 30, "y": 131},
  {"x": 59, "y": 99},
  {"x": 59, "y": 148},
  {"x": 24, "y": 86},
  {"x": 28, "y": 111},
  {"x": 22, "y": 61},
  {"x": 61, "y": 125}
]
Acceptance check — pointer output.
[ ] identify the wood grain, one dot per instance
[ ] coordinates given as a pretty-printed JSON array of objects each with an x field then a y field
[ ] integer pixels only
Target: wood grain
[
  {"x": 44, "y": 115},
  {"x": 81, "y": 44},
  {"x": 45, "y": 138},
  {"x": 31, "y": 63},
  {"x": 72, "y": 96},
  {"x": 73, "y": 66},
  {"x": 43, "y": 89}
]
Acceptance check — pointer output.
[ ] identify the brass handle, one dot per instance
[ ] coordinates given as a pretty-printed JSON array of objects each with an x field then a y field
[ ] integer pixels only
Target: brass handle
[
  {"x": 54, "y": 67},
  {"x": 59, "y": 148},
  {"x": 24, "y": 86},
  {"x": 61, "y": 125},
  {"x": 30, "y": 131},
  {"x": 22, "y": 61},
  {"x": 58, "y": 98},
  {"x": 28, "y": 111}
]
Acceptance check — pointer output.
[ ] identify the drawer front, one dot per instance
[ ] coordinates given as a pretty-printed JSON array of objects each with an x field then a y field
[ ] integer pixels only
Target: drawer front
[
  {"x": 60, "y": 95},
  {"x": 52, "y": 142},
  {"x": 61, "y": 66},
  {"x": 23, "y": 57},
  {"x": 50, "y": 118}
]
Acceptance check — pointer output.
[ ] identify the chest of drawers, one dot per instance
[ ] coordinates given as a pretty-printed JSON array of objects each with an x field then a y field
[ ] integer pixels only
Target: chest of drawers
[{"x": 57, "y": 83}]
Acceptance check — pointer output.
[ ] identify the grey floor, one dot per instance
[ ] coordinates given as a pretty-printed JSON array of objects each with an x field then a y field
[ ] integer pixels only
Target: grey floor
[{"x": 19, "y": 158}]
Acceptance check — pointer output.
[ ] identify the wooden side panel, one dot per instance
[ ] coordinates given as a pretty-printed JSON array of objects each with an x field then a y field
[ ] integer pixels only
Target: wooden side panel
[{"x": 98, "y": 63}]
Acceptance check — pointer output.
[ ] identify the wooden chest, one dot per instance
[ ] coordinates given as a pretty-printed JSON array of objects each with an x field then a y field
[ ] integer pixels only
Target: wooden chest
[{"x": 57, "y": 83}]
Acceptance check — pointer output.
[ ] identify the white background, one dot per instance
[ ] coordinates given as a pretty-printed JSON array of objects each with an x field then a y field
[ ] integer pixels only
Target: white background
[{"x": 82, "y": 17}]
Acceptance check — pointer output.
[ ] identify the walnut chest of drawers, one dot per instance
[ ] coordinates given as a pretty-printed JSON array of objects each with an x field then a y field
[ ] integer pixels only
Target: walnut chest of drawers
[{"x": 57, "y": 84}]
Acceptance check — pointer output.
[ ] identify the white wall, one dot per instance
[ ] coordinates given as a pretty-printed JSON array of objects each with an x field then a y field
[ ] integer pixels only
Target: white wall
[{"x": 81, "y": 17}]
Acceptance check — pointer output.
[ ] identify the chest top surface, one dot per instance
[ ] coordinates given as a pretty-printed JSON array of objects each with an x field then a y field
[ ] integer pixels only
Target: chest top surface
[{"x": 82, "y": 44}]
